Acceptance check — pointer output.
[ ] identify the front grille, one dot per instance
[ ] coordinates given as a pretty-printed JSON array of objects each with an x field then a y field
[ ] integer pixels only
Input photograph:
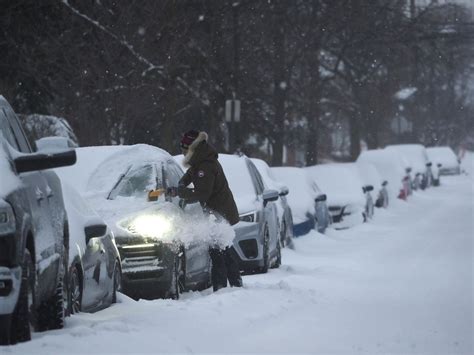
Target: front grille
[
  {"x": 249, "y": 248},
  {"x": 138, "y": 251},
  {"x": 7, "y": 250}
]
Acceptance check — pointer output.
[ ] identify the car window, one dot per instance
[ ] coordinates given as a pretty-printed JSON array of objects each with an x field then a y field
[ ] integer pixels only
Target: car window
[
  {"x": 7, "y": 131},
  {"x": 18, "y": 131},
  {"x": 259, "y": 186},
  {"x": 137, "y": 182}
]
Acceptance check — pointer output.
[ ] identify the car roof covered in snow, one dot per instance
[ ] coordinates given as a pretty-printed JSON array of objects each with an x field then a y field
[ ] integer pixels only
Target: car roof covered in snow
[
  {"x": 442, "y": 155},
  {"x": 340, "y": 181},
  {"x": 98, "y": 168},
  {"x": 269, "y": 179},
  {"x": 414, "y": 154},
  {"x": 302, "y": 191}
]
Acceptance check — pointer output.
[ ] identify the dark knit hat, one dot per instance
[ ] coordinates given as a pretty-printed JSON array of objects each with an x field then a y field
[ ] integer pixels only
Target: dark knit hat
[{"x": 188, "y": 138}]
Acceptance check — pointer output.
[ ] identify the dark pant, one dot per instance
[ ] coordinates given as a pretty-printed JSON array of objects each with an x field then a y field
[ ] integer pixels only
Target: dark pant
[{"x": 224, "y": 267}]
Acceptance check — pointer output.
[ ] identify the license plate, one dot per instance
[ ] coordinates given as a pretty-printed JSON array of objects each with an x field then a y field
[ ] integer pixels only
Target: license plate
[{"x": 2, "y": 284}]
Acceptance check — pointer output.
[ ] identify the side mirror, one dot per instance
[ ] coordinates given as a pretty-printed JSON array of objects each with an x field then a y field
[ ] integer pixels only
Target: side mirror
[
  {"x": 321, "y": 198},
  {"x": 439, "y": 165},
  {"x": 284, "y": 191},
  {"x": 269, "y": 196},
  {"x": 408, "y": 170},
  {"x": 367, "y": 188},
  {"x": 39, "y": 161},
  {"x": 95, "y": 231},
  {"x": 385, "y": 183},
  {"x": 429, "y": 164}
]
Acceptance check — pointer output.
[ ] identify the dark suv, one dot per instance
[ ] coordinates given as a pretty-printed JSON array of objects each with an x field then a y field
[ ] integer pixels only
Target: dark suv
[{"x": 33, "y": 234}]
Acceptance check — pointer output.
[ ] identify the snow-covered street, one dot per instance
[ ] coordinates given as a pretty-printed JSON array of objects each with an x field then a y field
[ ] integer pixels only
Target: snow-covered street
[{"x": 402, "y": 283}]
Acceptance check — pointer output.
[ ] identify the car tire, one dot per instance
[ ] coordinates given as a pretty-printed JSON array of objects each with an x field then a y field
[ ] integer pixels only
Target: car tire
[
  {"x": 266, "y": 251},
  {"x": 51, "y": 312},
  {"x": 277, "y": 262},
  {"x": 117, "y": 281},
  {"x": 177, "y": 277},
  {"x": 74, "y": 291},
  {"x": 23, "y": 317}
]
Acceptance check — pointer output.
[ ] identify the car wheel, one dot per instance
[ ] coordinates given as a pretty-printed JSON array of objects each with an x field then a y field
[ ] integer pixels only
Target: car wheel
[
  {"x": 177, "y": 279},
  {"x": 74, "y": 298},
  {"x": 23, "y": 317},
  {"x": 266, "y": 251},
  {"x": 117, "y": 285},
  {"x": 277, "y": 263},
  {"x": 51, "y": 311}
]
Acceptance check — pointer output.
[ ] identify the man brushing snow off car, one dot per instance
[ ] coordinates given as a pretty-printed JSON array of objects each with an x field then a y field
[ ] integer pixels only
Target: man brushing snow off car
[{"x": 212, "y": 191}]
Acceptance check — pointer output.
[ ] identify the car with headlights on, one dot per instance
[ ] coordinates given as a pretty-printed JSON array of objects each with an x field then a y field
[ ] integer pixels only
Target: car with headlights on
[
  {"x": 257, "y": 240},
  {"x": 162, "y": 244},
  {"x": 285, "y": 216},
  {"x": 346, "y": 199},
  {"x": 307, "y": 201},
  {"x": 444, "y": 160},
  {"x": 33, "y": 234}
]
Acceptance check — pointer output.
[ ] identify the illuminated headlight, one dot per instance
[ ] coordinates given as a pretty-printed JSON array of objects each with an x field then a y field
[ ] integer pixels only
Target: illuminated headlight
[
  {"x": 151, "y": 226},
  {"x": 7, "y": 220},
  {"x": 248, "y": 217}
]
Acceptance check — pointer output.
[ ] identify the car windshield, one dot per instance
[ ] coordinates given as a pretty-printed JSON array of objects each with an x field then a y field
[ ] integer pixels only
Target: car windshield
[{"x": 137, "y": 181}]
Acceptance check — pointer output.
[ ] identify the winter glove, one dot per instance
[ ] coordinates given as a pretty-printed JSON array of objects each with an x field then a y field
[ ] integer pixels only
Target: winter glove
[{"x": 172, "y": 191}]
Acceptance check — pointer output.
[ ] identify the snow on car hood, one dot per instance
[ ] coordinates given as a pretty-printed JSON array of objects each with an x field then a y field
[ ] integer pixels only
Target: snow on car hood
[
  {"x": 301, "y": 194},
  {"x": 442, "y": 155},
  {"x": 9, "y": 181},
  {"x": 341, "y": 183}
]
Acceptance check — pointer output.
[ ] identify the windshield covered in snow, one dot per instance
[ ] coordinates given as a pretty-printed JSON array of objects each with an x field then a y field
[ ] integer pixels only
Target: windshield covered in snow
[{"x": 137, "y": 181}]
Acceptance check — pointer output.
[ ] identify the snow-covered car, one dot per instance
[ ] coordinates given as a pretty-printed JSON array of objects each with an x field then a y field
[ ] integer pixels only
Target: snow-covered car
[
  {"x": 392, "y": 168},
  {"x": 307, "y": 201},
  {"x": 162, "y": 244},
  {"x": 257, "y": 240},
  {"x": 372, "y": 178},
  {"x": 285, "y": 216},
  {"x": 95, "y": 273},
  {"x": 346, "y": 199},
  {"x": 33, "y": 254},
  {"x": 416, "y": 156},
  {"x": 445, "y": 160}
]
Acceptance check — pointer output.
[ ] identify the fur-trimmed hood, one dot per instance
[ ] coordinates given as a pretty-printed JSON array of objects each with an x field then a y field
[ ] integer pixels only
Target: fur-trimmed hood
[{"x": 191, "y": 155}]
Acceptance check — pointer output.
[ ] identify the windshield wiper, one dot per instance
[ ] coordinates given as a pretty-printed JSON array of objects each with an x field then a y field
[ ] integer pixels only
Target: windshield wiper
[{"x": 118, "y": 182}]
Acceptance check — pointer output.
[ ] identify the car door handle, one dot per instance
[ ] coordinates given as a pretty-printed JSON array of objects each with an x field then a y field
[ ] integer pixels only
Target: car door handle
[
  {"x": 39, "y": 194},
  {"x": 102, "y": 251}
]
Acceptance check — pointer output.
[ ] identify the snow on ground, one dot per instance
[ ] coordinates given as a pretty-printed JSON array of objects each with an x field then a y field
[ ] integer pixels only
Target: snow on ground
[{"x": 401, "y": 284}]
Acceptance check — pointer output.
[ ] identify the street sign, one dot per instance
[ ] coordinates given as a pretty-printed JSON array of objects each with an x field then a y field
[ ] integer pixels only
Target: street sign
[{"x": 232, "y": 111}]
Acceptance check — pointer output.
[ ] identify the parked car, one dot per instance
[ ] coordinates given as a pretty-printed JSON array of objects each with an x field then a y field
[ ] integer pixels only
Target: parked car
[
  {"x": 95, "y": 272},
  {"x": 445, "y": 160},
  {"x": 33, "y": 257},
  {"x": 372, "y": 178},
  {"x": 307, "y": 201},
  {"x": 345, "y": 196},
  {"x": 417, "y": 157},
  {"x": 161, "y": 250},
  {"x": 393, "y": 170},
  {"x": 285, "y": 216},
  {"x": 257, "y": 240}
]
